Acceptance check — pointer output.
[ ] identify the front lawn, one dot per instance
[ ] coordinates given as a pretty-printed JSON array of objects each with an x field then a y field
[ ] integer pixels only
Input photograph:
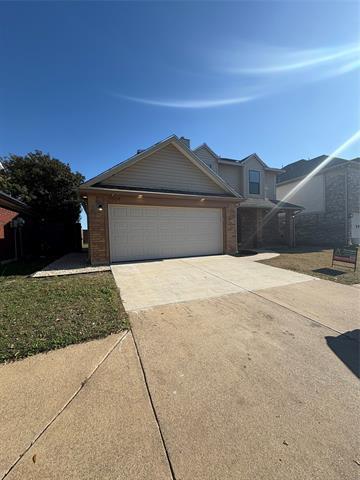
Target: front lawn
[
  {"x": 316, "y": 262},
  {"x": 40, "y": 314}
]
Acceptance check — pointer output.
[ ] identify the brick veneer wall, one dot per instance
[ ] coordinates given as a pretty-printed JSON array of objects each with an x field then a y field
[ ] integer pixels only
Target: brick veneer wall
[
  {"x": 230, "y": 229},
  {"x": 99, "y": 251},
  {"x": 332, "y": 227},
  {"x": 5, "y": 218},
  {"x": 257, "y": 229},
  {"x": 247, "y": 227},
  {"x": 275, "y": 230}
]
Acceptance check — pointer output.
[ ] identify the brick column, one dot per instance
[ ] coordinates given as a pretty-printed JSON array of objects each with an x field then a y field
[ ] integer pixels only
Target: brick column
[
  {"x": 231, "y": 229},
  {"x": 289, "y": 228},
  {"x": 98, "y": 232},
  {"x": 259, "y": 227}
]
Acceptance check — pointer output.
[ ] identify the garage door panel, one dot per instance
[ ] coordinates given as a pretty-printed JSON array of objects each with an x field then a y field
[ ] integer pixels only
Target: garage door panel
[{"x": 139, "y": 233}]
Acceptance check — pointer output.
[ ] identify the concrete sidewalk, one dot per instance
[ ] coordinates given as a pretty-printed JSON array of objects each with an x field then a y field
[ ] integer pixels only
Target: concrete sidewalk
[
  {"x": 70, "y": 264},
  {"x": 332, "y": 304},
  {"x": 82, "y": 412}
]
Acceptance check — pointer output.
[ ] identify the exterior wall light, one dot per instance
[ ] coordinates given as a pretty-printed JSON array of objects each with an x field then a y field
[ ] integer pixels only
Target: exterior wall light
[
  {"x": 84, "y": 196},
  {"x": 140, "y": 196},
  {"x": 202, "y": 200},
  {"x": 100, "y": 208}
]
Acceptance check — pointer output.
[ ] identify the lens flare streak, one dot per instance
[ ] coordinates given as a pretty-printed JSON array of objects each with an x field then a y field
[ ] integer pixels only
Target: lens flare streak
[{"x": 353, "y": 139}]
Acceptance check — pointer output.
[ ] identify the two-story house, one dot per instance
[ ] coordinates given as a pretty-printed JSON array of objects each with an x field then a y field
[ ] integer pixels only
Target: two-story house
[
  {"x": 331, "y": 199},
  {"x": 261, "y": 219},
  {"x": 171, "y": 201}
]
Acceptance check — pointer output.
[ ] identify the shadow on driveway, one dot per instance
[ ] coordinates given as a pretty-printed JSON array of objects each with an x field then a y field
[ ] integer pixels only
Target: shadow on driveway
[{"x": 347, "y": 348}]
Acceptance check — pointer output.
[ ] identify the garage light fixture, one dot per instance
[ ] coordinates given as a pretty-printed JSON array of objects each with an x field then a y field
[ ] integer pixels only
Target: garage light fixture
[{"x": 100, "y": 208}]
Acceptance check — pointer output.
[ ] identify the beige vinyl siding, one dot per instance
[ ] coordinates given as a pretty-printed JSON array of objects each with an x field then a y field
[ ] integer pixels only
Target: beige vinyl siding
[
  {"x": 232, "y": 175},
  {"x": 166, "y": 169},
  {"x": 311, "y": 195},
  {"x": 207, "y": 157},
  {"x": 270, "y": 189}
]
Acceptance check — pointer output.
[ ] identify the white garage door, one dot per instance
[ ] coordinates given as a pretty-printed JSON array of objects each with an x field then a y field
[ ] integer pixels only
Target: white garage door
[{"x": 140, "y": 233}]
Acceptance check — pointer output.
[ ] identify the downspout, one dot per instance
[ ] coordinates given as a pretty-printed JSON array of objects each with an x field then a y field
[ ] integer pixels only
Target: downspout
[
  {"x": 15, "y": 244},
  {"x": 347, "y": 240},
  {"x": 294, "y": 229}
]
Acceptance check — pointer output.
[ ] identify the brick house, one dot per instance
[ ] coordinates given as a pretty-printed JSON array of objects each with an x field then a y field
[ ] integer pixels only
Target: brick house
[
  {"x": 331, "y": 200},
  {"x": 172, "y": 201}
]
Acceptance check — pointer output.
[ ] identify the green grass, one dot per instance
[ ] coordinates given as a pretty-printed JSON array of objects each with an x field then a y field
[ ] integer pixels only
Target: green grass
[
  {"x": 41, "y": 314},
  {"x": 315, "y": 262}
]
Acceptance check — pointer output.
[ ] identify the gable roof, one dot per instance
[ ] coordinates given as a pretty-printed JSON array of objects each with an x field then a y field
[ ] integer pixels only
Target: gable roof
[
  {"x": 243, "y": 161},
  {"x": 181, "y": 146},
  {"x": 303, "y": 167},
  {"x": 206, "y": 146}
]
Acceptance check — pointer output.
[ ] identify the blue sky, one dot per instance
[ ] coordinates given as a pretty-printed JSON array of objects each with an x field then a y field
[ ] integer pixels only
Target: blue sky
[{"x": 91, "y": 82}]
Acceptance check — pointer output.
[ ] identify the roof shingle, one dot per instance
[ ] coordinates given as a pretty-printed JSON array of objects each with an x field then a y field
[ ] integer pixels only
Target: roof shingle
[{"x": 302, "y": 167}]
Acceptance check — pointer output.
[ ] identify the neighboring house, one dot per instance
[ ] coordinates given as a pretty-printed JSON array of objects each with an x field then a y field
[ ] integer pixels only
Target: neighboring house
[
  {"x": 23, "y": 233},
  {"x": 11, "y": 222},
  {"x": 331, "y": 199},
  {"x": 171, "y": 201}
]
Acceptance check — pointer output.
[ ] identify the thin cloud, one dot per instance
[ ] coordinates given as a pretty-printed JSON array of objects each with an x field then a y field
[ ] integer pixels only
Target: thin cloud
[
  {"x": 275, "y": 70},
  {"x": 195, "y": 103},
  {"x": 273, "y": 60}
]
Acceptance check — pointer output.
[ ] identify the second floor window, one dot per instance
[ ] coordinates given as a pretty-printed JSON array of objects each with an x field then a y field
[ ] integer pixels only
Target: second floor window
[{"x": 254, "y": 182}]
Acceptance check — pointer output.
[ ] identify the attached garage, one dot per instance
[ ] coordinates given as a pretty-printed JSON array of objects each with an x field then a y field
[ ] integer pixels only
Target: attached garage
[
  {"x": 164, "y": 202},
  {"x": 150, "y": 232}
]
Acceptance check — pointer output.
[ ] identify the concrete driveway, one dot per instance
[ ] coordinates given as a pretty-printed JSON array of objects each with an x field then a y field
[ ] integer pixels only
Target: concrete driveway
[
  {"x": 147, "y": 284},
  {"x": 251, "y": 369},
  {"x": 233, "y": 370}
]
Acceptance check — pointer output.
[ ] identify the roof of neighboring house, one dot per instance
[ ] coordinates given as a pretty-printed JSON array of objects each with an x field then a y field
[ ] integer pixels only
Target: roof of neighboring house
[
  {"x": 302, "y": 167},
  {"x": 266, "y": 203},
  {"x": 11, "y": 203}
]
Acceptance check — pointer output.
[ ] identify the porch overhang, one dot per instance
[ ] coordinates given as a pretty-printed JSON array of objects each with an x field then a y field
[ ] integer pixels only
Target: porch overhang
[{"x": 266, "y": 204}]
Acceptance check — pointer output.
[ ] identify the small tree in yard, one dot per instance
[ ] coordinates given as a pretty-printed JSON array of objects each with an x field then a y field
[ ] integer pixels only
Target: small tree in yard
[{"x": 44, "y": 183}]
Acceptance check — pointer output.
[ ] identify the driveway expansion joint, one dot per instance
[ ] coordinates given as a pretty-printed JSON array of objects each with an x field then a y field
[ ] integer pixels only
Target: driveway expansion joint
[
  {"x": 64, "y": 407},
  {"x": 172, "y": 472},
  {"x": 271, "y": 301}
]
